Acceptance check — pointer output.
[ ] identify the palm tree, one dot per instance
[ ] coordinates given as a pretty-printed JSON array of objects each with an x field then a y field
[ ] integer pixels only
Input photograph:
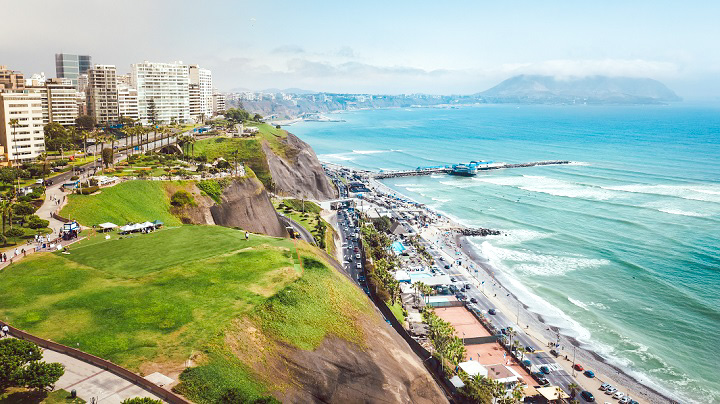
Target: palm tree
[
  {"x": 15, "y": 123},
  {"x": 43, "y": 158},
  {"x": 574, "y": 387},
  {"x": 521, "y": 350},
  {"x": 6, "y": 211}
]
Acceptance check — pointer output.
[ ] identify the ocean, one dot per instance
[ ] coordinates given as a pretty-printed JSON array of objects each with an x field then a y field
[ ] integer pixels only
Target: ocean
[{"x": 620, "y": 249}]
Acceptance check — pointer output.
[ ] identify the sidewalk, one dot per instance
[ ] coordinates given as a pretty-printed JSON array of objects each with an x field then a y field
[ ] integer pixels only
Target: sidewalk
[{"x": 93, "y": 382}]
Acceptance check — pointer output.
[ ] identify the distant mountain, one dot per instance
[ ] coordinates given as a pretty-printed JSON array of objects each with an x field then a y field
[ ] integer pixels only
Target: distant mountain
[
  {"x": 535, "y": 89},
  {"x": 288, "y": 91}
]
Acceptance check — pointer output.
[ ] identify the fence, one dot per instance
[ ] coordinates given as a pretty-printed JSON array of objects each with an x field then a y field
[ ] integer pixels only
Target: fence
[{"x": 138, "y": 380}]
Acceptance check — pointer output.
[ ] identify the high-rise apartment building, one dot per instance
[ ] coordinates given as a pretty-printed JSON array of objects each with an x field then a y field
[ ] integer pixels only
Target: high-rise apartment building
[
  {"x": 102, "y": 93},
  {"x": 218, "y": 102},
  {"x": 202, "y": 78},
  {"x": 128, "y": 102},
  {"x": 69, "y": 66},
  {"x": 23, "y": 139},
  {"x": 11, "y": 79},
  {"x": 59, "y": 101},
  {"x": 163, "y": 91}
]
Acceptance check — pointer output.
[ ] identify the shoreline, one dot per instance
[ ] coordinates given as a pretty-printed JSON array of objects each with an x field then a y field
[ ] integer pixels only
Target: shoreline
[{"x": 536, "y": 326}]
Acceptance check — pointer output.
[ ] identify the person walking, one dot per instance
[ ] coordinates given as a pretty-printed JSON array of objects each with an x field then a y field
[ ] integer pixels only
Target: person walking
[
  {"x": 247, "y": 236},
  {"x": 5, "y": 330}
]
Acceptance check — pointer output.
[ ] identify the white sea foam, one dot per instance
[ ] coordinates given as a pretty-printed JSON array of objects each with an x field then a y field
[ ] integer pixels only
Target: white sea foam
[
  {"x": 335, "y": 157},
  {"x": 539, "y": 264},
  {"x": 681, "y": 212},
  {"x": 370, "y": 151},
  {"x": 706, "y": 193},
  {"x": 552, "y": 186},
  {"x": 578, "y": 303},
  {"x": 579, "y": 163}
]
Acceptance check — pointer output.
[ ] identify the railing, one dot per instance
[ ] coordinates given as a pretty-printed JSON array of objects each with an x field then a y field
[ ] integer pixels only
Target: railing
[{"x": 138, "y": 380}]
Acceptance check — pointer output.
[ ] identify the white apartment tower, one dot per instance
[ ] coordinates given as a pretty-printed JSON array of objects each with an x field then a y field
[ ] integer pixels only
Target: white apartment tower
[
  {"x": 25, "y": 141},
  {"x": 59, "y": 101},
  {"x": 202, "y": 78},
  {"x": 163, "y": 91},
  {"x": 128, "y": 102},
  {"x": 218, "y": 102},
  {"x": 102, "y": 93}
]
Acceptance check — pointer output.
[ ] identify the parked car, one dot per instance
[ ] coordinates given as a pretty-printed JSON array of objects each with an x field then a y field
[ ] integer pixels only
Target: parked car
[
  {"x": 545, "y": 370},
  {"x": 527, "y": 363},
  {"x": 554, "y": 353},
  {"x": 610, "y": 391},
  {"x": 589, "y": 373},
  {"x": 357, "y": 256},
  {"x": 587, "y": 396},
  {"x": 604, "y": 386},
  {"x": 624, "y": 400},
  {"x": 491, "y": 311},
  {"x": 359, "y": 265},
  {"x": 473, "y": 300},
  {"x": 618, "y": 395},
  {"x": 579, "y": 367},
  {"x": 543, "y": 381}
]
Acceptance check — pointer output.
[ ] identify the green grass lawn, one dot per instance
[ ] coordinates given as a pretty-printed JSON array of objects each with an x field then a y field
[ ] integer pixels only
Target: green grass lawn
[
  {"x": 130, "y": 201},
  {"x": 249, "y": 151},
  {"x": 161, "y": 297},
  {"x": 397, "y": 311}
]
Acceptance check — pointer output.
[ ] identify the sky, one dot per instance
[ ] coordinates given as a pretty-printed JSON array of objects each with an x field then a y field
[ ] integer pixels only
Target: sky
[{"x": 390, "y": 47}]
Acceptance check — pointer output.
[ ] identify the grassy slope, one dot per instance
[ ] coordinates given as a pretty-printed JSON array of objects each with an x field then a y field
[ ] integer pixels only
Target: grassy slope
[
  {"x": 131, "y": 201},
  {"x": 249, "y": 149},
  {"x": 163, "y": 296}
]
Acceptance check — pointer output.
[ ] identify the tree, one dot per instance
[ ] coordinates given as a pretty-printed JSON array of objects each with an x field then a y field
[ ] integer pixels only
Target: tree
[
  {"x": 14, "y": 233},
  {"x": 85, "y": 122},
  {"x": 56, "y": 137},
  {"x": 14, "y": 123},
  {"x": 20, "y": 366},
  {"x": 107, "y": 156},
  {"x": 23, "y": 209},
  {"x": 574, "y": 387},
  {"x": 141, "y": 400},
  {"x": 35, "y": 222},
  {"x": 257, "y": 118}
]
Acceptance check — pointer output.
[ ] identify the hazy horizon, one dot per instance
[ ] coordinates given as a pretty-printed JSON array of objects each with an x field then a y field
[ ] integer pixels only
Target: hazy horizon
[{"x": 378, "y": 47}]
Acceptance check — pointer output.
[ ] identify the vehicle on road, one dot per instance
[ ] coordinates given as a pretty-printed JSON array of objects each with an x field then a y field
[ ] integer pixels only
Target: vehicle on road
[
  {"x": 358, "y": 266},
  {"x": 543, "y": 381},
  {"x": 357, "y": 256},
  {"x": 492, "y": 311},
  {"x": 554, "y": 353},
  {"x": 452, "y": 279},
  {"x": 448, "y": 267},
  {"x": 529, "y": 349},
  {"x": 587, "y": 396},
  {"x": 604, "y": 386},
  {"x": 473, "y": 300},
  {"x": 578, "y": 367},
  {"x": 618, "y": 395},
  {"x": 589, "y": 373},
  {"x": 545, "y": 370}
]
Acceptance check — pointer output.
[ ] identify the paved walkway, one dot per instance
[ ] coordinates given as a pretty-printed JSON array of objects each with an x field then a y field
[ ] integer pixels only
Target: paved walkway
[{"x": 93, "y": 382}]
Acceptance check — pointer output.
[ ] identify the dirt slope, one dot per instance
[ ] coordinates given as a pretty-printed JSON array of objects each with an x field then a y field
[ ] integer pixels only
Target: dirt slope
[
  {"x": 299, "y": 173},
  {"x": 246, "y": 204}
]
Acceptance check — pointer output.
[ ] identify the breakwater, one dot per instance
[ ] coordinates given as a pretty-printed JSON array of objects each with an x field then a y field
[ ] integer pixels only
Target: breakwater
[{"x": 448, "y": 169}]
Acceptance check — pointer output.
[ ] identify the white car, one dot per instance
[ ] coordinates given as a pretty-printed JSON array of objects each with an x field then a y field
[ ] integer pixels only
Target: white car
[
  {"x": 618, "y": 395},
  {"x": 604, "y": 386},
  {"x": 610, "y": 390},
  {"x": 357, "y": 256},
  {"x": 359, "y": 265},
  {"x": 625, "y": 400}
]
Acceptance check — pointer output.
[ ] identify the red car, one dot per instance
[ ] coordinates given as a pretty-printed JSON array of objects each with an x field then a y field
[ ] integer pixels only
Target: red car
[{"x": 579, "y": 367}]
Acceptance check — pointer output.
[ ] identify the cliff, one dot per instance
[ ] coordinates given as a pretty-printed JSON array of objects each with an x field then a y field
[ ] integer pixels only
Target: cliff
[
  {"x": 297, "y": 172},
  {"x": 246, "y": 204}
]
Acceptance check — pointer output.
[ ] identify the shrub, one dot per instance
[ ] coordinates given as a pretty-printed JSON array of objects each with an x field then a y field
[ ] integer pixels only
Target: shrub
[
  {"x": 23, "y": 209},
  {"x": 141, "y": 400},
  {"x": 88, "y": 190},
  {"x": 182, "y": 198},
  {"x": 14, "y": 233},
  {"x": 74, "y": 178},
  {"x": 34, "y": 222}
]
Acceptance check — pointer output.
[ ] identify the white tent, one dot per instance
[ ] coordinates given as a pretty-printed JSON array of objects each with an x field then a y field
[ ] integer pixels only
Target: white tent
[
  {"x": 147, "y": 224},
  {"x": 107, "y": 225}
]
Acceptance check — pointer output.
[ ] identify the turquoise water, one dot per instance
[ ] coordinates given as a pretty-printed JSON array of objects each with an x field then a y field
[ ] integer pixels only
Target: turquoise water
[{"x": 621, "y": 250}]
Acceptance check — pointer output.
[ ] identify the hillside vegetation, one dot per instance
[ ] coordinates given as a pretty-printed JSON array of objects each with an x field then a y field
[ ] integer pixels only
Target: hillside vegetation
[
  {"x": 151, "y": 302},
  {"x": 130, "y": 201}
]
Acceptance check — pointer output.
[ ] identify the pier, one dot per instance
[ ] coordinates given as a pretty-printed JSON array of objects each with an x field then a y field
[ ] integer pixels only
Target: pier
[{"x": 449, "y": 169}]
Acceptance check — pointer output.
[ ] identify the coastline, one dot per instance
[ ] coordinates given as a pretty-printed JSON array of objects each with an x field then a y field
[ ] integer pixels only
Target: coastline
[{"x": 534, "y": 324}]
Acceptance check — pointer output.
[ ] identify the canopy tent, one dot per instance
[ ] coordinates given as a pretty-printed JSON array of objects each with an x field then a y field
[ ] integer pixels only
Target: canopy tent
[
  {"x": 137, "y": 227},
  {"x": 157, "y": 223},
  {"x": 107, "y": 225}
]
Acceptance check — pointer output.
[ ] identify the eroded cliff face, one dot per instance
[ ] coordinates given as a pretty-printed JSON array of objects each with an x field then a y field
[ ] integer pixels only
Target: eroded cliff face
[
  {"x": 299, "y": 172},
  {"x": 246, "y": 204}
]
